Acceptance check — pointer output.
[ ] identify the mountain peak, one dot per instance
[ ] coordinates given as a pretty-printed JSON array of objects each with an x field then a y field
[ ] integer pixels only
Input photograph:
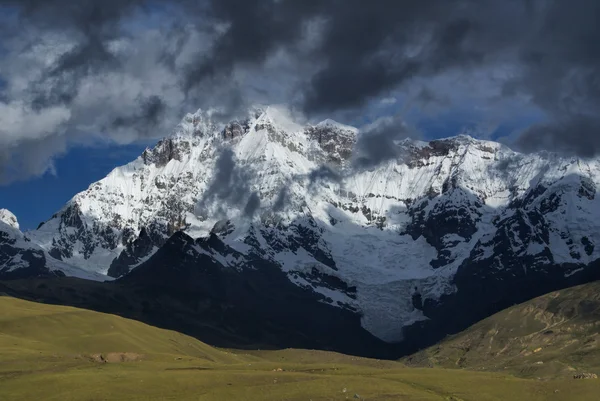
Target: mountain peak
[
  {"x": 466, "y": 139},
  {"x": 7, "y": 217},
  {"x": 329, "y": 123},
  {"x": 281, "y": 117}
]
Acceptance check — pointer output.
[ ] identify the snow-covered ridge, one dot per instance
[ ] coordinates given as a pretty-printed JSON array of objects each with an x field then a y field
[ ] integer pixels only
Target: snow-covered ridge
[
  {"x": 20, "y": 257},
  {"x": 8, "y": 218},
  {"x": 291, "y": 193},
  {"x": 329, "y": 123}
]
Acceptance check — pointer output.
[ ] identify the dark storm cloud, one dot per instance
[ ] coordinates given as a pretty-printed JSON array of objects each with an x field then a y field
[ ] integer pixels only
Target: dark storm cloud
[
  {"x": 344, "y": 54},
  {"x": 149, "y": 114},
  {"x": 364, "y": 51},
  {"x": 87, "y": 17},
  {"x": 229, "y": 186},
  {"x": 377, "y": 143},
  {"x": 257, "y": 28},
  {"x": 561, "y": 64},
  {"x": 29, "y": 158},
  {"x": 368, "y": 50},
  {"x": 427, "y": 97},
  {"x": 576, "y": 134},
  {"x": 90, "y": 57}
]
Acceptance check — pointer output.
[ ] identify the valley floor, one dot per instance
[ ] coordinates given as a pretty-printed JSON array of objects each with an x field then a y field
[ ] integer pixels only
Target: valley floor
[{"x": 60, "y": 353}]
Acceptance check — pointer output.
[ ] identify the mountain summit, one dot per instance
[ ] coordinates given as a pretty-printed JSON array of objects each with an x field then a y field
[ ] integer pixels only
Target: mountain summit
[
  {"x": 9, "y": 219},
  {"x": 451, "y": 223}
]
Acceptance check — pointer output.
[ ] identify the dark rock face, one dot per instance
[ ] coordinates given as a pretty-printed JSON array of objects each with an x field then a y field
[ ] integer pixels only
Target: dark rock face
[
  {"x": 132, "y": 255},
  {"x": 255, "y": 303},
  {"x": 304, "y": 234},
  {"x": 17, "y": 262},
  {"x": 235, "y": 129},
  {"x": 337, "y": 143},
  {"x": 589, "y": 247},
  {"x": 74, "y": 230},
  {"x": 319, "y": 279},
  {"x": 222, "y": 228},
  {"x": 442, "y": 217},
  {"x": 165, "y": 151},
  {"x": 150, "y": 237},
  {"x": 419, "y": 156}
]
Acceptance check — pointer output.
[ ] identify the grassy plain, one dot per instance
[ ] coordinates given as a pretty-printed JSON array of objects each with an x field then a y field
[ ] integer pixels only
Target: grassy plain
[{"x": 61, "y": 353}]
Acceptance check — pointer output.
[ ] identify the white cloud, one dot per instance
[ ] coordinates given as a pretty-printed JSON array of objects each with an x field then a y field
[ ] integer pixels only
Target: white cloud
[
  {"x": 388, "y": 101},
  {"x": 21, "y": 123}
]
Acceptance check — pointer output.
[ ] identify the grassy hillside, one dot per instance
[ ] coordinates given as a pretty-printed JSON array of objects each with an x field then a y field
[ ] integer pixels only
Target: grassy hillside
[
  {"x": 556, "y": 335},
  {"x": 248, "y": 315},
  {"x": 62, "y": 353}
]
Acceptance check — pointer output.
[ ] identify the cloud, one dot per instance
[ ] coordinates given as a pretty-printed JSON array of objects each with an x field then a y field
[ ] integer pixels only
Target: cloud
[
  {"x": 228, "y": 183},
  {"x": 252, "y": 205},
  {"x": 560, "y": 65},
  {"x": 151, "y": 111},
  {"x": 30, "y": 158},
  {"x": 129, "y": 69},
  {"x": 20, "y": 121},
  {"x": 229, "y": 186},
  {"x": 281, "y": 200},
  {"x": 377, "y": 142},
  {"x": 577, "y": 134},
  {"x": 322, "y": 173}
]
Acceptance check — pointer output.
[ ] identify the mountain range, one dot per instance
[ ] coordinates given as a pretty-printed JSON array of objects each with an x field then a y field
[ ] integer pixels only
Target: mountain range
[{"x": 286, "y": 223}]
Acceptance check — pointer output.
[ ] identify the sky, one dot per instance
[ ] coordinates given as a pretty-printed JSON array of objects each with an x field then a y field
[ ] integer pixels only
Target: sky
[{"x": 85, "y": 86}]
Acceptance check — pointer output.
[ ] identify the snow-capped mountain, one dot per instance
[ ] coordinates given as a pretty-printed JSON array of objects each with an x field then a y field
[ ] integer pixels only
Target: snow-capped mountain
[
  {"x": 8, "y": 218},
  {"x": 22, "y": 258},
  {"x": 396, "y": 241},
  {"x": 18, "y": 256}
]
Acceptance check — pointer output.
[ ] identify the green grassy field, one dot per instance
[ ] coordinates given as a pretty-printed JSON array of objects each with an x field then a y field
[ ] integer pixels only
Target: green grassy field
[{"x": 61, "y": 353}]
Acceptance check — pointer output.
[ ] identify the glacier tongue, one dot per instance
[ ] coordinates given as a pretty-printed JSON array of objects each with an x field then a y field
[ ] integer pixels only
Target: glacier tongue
[{"x": 292, "y": 193}]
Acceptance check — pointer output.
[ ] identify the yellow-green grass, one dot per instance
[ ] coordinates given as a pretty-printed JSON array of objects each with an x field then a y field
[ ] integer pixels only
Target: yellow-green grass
[
  {"x": 53, "y": 353},
  {"x": 556, "y": 335}
]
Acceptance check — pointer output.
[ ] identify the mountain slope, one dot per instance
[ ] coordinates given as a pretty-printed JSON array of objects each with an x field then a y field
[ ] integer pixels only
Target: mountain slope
[
  {"x": 557, "y": 334},
  {"x": 184, "y": 287},
  {"x": 18, "y": 256},
  {"x": 22, "y": 258},
  {"x": 403, "y": 242},
  {"x": 55, "y": 353},
  {"x": 260, "y": 304}
]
